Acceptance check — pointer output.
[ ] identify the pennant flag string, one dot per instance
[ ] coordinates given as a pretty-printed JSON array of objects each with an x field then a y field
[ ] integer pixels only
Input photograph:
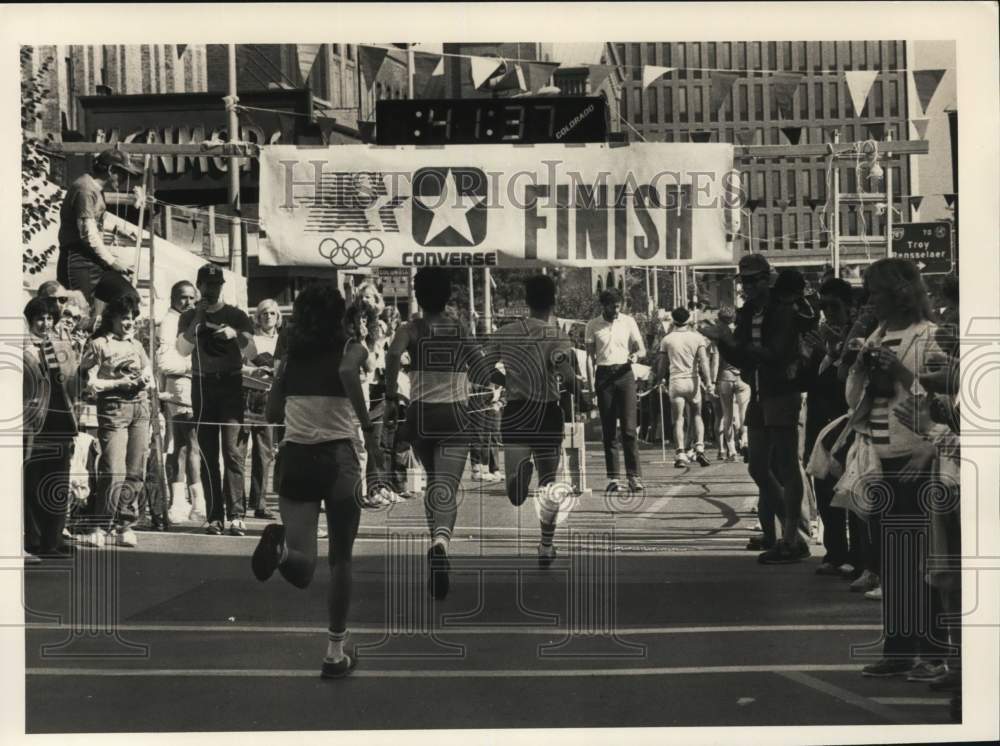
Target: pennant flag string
[
  {"x": 859, "y": 84},
  {"x": 651, "y": 73},
  {"x": 926, "y": 83},
  {"x": 307, "y": 56},
  {"x": 180, "y": 49},
  {"x": 371, "y": 59},
  {"x": 483, "y": 68}
]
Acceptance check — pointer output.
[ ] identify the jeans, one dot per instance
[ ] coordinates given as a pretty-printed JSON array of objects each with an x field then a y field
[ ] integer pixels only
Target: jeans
[
  {"x": 616, "y": 401},
  {"x": 835, "y": 538},
  {"x": 46, "y": 487},
  {"x": 485, "y": 451},
  {"x": 260, "y": 440},
  {"x": 774, "y": 467},
  {"x": 220, "y": 400},
  {"x": 123, "y": 432}
]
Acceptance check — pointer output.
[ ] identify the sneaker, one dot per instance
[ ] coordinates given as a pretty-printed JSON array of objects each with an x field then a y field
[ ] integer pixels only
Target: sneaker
[
  {"x": 614, "y": 486},
  {"x": 731, "y": 458},
  {"x": 926, "y": 672},
  {"x": 546, "y": 555},
  {"x": 681, "y": 462},
  {"x": 125, "y": 537},
  {"x": 846, "y": 569},
  {"x": 635, "y": 484},
  {"x": 340, "y": 669},
  {"x": 95, "y": 539},
  {"x": 267, "y": 555},
  {"x": 759, "y": 544},
  {"x": 477, "y": 474},
  {"x": 783, "y": 553},
  {"x": 30, "y": 559},
  {"x": 322, "y": 532},
  {"x": 437, "y": 576},
  {"x": 875, "y": 594},
  {"x": 701, "y": 458},
  {"x": 721, "y": 456},
  {"x": 828, "y": 568},
  {"x": 215, "y": 528},
  {"x": 888, "y": 667},
  {"x": 266, "y": 514},
  {"x": 865, "y": 582},
  {"x": 745, "y": 453},
  {"x": 496, "y": 476},
  {"x": 237, "y": 528},
  {"x": 690, "y": 454}
]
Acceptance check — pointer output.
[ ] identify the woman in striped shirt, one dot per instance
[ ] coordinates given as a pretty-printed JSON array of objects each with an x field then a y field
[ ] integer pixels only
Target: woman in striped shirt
[{"x": 885, "y": 374}]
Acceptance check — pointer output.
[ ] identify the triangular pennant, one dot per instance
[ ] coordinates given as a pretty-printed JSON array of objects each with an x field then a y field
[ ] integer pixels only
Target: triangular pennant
[
  {"x": 326, "y": 126},
  {"x": 598, "y": 74},
  {"x": 722, "y": 84},
  {"x": 949, "y": 199},
  {"x": 652, "y": 73},
  {"x": 180, "y": 50},
  {"x": 483, "y": 69},
  {"x": 745, "y": 136},
  {"x": 915, "y": 202},
  {"x": 920, "y": 125},
  {"x": 371, "y": 62},
  {"x": 367, "y": 131},
  {"x": 926, "y": 83},
  {"x": 512, "y": 80},
  {"x": 815, "y": 202},
  {"x": 307, "y": 56},
  {"x": 783, "y": 88},
  {"x": 859, "y": 84},
  {"x": 700, "y": 136},
  {"x": 876, "y": 131},
  {"x": 794, "y": 134},
  {"x": 424, "y": 65},
  {"x": 753, "y": 204}
]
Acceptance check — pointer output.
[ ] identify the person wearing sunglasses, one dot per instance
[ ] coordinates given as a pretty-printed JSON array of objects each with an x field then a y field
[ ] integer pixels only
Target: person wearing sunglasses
[{"x": 765, "y": 346}]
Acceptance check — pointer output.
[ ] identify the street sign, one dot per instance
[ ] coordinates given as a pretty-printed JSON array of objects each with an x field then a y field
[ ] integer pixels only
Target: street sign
[
  {"x": 928, "y": 245},
  {"x": 395, "y": 282}
]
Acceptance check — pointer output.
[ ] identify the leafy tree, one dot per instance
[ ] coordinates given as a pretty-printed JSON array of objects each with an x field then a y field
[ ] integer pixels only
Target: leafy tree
[{"x": 38, "y": 210}]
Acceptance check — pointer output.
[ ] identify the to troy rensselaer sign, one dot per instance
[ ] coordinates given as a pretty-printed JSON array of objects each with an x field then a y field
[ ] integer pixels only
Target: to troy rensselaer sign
[{"x": 928, "y": 245}]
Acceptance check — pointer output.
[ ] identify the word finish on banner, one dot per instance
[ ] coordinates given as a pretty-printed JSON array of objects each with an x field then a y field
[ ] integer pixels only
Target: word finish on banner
[{"x": 498, "y": 205}]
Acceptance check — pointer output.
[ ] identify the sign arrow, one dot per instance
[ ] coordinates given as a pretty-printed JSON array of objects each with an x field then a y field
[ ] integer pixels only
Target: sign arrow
[{"x": 921, "y": 266}]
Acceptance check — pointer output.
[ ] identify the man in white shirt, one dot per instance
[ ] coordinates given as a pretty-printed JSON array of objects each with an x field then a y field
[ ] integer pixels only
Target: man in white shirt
[
  {"x": 684, "y": 350},
  {"x": 614, "y": 342}
]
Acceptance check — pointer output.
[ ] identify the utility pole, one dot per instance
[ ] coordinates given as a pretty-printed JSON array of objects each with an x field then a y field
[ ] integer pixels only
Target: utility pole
[
  {"x": 835, "y": 227},
  {"x": 235, "y": 230},
  {"x": 410, "y": 65},
  {"x": 888, "y": 199}
]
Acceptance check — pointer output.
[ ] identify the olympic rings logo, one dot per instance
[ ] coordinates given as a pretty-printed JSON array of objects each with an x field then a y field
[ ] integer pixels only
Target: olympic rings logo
[{"x": 351, "y": 251}]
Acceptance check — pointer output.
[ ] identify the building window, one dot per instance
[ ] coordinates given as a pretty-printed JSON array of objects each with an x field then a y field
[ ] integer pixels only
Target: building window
[
  {"x": 650, "y": 54},
  {"x": 779, "y": 230},
  {"x": 760, "y": 186},
  {"x": 624, "y": 105},
  {"x": 787, "y": 64},
  {"x": 897, "y": 181},
  {"x": 668, "y": 105},
  {"x": 877, "y": 95},
  {"x": 852, "y": 223},
  {"x": 803, "y": 67},
  {"x": 637, "y": 112},
  {"x": 772, "y": 56},
  {"x": 893, "y": 98},
  {"x": 682, "y": 103},
  {"x": 696, "y": 59},
  {"x": 744, "y": 102},
  {"x": 776, "y": 185},
  {"x": 636, "y": 62},
  {"x": 727, "y": 55},
  {"x": 803, "y": 101},
  {"x": 821, "y": 184},
  {"x": 790, "y": 179},
  {"x": 793, "y": 224},
  {"x": 350, "y": 52},
  {"x": 859, "y": 55},
  {"x": 893, "y": 64},
  {"x": 681, "y": 61},
  {"x": 741, "y": 55},
  {"x": 336, "y": 49},
  {"x": 712, "y": 60},
  {"x": 756, "y": 54},
  {"x": 652, "y": 108},
  {"x": 665, "y": 48},
  {"x": 758, "y": 102},
  {"x": 699, "y": 105},
  {"x": 875, "y": 54},
  {"x": 832, "y": 94},
  {"x": 668, "y": 136}
]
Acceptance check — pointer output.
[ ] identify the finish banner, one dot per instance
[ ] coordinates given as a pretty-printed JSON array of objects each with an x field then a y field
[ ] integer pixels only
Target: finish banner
[{"x": 644, "y": 204}]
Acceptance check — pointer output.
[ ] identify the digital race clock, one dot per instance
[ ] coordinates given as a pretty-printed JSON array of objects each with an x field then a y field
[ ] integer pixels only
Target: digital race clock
[{"x": 521, "y": 120}]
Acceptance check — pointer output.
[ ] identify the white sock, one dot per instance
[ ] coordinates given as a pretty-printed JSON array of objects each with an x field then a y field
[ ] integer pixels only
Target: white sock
[
  {"x": 442, "y": 539},
  {"x": 335, "y": 645}
]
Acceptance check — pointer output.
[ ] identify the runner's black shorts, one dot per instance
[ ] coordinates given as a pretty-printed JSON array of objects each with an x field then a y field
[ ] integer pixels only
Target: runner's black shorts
[
  {"x": 329, "y": 471},
  {"x": 532, "y": 423}
]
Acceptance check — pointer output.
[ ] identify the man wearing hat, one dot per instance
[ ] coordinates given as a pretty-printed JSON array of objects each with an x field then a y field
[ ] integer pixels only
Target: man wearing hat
[
  {"x": 83, "y": 257},
  {"x": 764, "y": 347},
  {"x": 214, "y": 334}
]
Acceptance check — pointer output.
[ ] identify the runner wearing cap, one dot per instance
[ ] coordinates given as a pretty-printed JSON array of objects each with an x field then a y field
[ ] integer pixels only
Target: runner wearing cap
[
  {"x": 764, "y": 346},
  {"x": 216, "y": 333},
  {"x": 83, "y": 257}
]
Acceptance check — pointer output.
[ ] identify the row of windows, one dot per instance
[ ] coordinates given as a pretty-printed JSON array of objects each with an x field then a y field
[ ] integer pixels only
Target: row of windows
[
  {"x": 793, "y": 184},
  {"x": 798, "y": 56},
  {"x": 794, "y": 231},
  {"x": 774, "y": 136},
  {"x": 751, "y": 101}
]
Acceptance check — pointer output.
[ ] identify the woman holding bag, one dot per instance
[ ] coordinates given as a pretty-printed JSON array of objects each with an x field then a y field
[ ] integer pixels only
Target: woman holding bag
[{"x": 885, "y": 374}]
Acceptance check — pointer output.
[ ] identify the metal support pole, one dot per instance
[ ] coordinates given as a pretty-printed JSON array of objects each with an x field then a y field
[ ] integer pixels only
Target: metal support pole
[
  {"x": 835, "y": 225},
  {"x": 888, "y": 199},
  {"x": 488, "y": 299},
  {"x": 472, "y": 302},
  {"x": 235, "y": 234}
]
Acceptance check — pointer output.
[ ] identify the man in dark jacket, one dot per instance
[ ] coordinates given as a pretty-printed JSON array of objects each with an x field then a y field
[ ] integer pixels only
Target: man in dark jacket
[{"x": 765, "y": 347}]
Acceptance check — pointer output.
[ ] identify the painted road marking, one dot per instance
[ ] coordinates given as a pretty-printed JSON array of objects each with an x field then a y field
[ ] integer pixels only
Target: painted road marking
[
  {"x": 910, "y": 700},
  {"x": 491, "y": 630},
  {"x": 447, "y": 673},
  {"x": 801, "y": 676}
]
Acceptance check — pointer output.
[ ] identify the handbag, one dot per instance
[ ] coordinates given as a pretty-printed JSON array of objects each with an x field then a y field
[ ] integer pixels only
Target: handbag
[{"x": 862, "y": 469}]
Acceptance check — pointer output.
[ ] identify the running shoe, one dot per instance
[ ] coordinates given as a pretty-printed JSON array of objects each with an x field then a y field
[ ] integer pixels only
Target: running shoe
[
  {"x": 731, "y": 458},
  {"x": 437, "y": 576},
  {"x": 828, "y": 568},
  {"x": 783, "y": 553},
  {"x": 340, "y": 669},
  {"x": 635, "y": 484},
  {"x": 681, "y": 462},
  {"x": 888, "y": 667},
  {"x": 125, "y": 537},
  {"x": 546, "y": 555},
  {"x": 237, "y": 528},
  {"x": 925, "y": 672},
  {"x": 496, "y": 476},
  {"x": 95, "y": 539},
  {"x": 745, "y": 453},
  {"x": 215, "y": 528},
  {"x": 865, "y": 582},
  {"x": 701, "y": 458},
  {"x": 267, "y": 555},
  {"x": 759, "y": 544},
  {"x": 477, "y": 474},
  {"x": 614, "y": 486},
  {"x": 265, "y": 514},
  {"x": 875, "y": 594},
  {"x": 721, "y": 456},
  {"x": 846, "y": 570}
]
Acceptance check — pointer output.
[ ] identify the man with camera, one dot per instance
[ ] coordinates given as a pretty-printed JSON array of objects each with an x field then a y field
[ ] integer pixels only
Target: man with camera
[{"x": 766, "y": 348}]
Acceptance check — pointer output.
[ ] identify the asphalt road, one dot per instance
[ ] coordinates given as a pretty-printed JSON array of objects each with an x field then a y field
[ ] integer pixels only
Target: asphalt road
[{"x": 653, "y": 615}]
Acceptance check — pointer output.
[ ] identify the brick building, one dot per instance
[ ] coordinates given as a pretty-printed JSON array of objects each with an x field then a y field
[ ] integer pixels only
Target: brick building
[{"x": 678, "y": 104}]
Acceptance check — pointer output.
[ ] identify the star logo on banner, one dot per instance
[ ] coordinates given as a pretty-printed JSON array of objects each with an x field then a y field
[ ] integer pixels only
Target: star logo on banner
[{"x": 451, "y": 206}]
